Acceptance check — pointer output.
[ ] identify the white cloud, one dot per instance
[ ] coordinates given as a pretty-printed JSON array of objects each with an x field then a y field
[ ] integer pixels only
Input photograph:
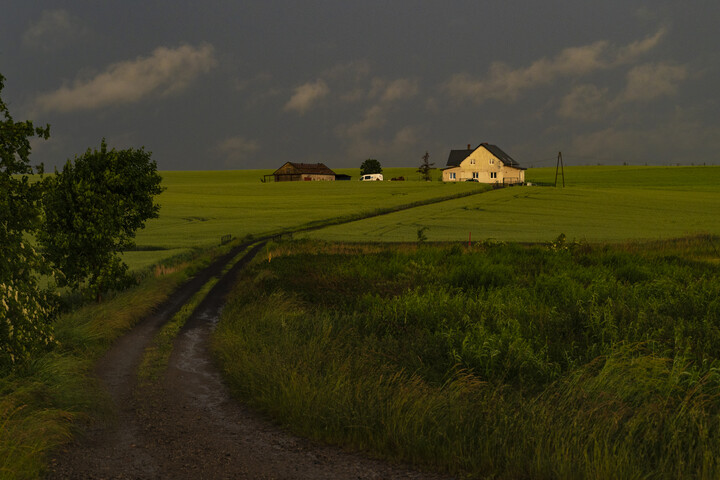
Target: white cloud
[
  {"x": 166, "y": 71},
  {"x": 53, "y": 29},
  {"x": 395, "y": 90},
  {"x": 373, "y": 119},
  {"x": 237, "y": 149},
  {"x": 306, "y": 95},
  {"x": 629, "y": 53},
  {"x": 406, "y": 137},
  {"x": 505, "y": 84},
  {"x": 646, "y": 82},
  {"x": 584, "y": 102},
  {"x": 678, "y": 139}
]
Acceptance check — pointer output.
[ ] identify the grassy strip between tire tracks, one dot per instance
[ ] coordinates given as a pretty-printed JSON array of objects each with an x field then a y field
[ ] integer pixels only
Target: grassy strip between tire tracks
[
  {"x": 157, "y": 355},
  {"x": 42, "y": 403},
  {"x": 506, "y": 361}
]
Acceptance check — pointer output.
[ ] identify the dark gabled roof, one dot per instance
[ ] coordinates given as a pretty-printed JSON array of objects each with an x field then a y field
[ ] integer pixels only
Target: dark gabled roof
[
  {"x": 507, "y": 160},
  {"x": 308, "y": 168},
  {"x": 457, "y": 156}
]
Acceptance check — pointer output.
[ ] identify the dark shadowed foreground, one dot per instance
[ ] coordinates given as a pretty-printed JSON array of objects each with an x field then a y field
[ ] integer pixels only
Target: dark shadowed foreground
[{"x": 186, "y": 425}]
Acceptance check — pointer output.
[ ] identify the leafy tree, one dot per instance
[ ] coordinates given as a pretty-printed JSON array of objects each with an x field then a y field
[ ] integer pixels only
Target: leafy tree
[
  {"x": 424, "y": 169},
  {"x": 25, "y": 310},
  {"x": 92, "y": 211},
  {"x": 370, "y": 166}
]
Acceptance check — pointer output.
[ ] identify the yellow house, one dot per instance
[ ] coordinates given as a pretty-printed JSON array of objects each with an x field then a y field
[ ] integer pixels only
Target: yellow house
[{"x": 485, "y": 164}]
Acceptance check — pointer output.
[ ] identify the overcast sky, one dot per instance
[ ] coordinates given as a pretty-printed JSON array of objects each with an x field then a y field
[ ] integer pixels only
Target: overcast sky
[{"x": 252, "y": 84}]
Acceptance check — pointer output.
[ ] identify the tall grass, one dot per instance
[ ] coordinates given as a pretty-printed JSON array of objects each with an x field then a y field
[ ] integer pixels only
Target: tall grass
[{"x": 503, "y": 362}]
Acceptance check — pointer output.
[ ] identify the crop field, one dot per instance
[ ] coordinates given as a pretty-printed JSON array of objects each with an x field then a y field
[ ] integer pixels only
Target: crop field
[
  {"x": 198, "y": 208},
  {"x": 597, "y": 204},
  {"x": 497, "y": 361}
]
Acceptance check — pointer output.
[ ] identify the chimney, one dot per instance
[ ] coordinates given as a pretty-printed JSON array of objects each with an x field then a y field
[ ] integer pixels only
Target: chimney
[{"x": 469, "y": 147}]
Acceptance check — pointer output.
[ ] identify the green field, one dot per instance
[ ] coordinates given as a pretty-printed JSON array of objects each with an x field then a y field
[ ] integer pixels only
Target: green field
[
  {"x": 198, "y": 208},
  {"x": 597, "y": 204}
]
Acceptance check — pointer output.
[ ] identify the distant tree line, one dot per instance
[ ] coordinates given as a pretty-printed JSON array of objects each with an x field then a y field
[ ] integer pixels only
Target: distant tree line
[{"x": 81, "y": 219}]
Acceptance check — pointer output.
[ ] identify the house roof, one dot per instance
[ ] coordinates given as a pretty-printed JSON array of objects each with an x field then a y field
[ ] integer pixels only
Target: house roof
[
  {"x": 457, "y": 156},
  {"x": 308, "y": 168}
]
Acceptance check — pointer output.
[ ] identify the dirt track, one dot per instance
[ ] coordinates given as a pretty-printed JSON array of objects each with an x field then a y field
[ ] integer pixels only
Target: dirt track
[{"x": 187, "y": 426}]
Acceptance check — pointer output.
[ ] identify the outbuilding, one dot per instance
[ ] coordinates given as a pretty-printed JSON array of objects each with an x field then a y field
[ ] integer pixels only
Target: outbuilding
[{"x": 303, "y": 172}]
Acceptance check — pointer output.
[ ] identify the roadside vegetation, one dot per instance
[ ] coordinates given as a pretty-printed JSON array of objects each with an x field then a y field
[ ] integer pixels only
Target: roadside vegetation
[
  {"x": 43, "y": 403},
  {"x": 559, "y": 360},
  {"x": 48, "y": 400}
]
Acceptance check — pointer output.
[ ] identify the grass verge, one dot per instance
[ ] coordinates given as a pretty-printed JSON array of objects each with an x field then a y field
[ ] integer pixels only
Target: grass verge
[{"x": 506, "y": 361}]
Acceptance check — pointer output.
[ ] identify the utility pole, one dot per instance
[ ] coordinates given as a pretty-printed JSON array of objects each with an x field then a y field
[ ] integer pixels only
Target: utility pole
[{"x": 559, "y": 166}]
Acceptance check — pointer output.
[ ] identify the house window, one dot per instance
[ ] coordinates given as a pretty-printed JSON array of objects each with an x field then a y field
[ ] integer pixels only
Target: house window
[
  {"x": 472, "y": 161},
  {"x": 492, "y": 161},
  {"x": 493, "y": 174},
  {"x": 476, "y": 174},
  {"x": 452, "y": 175}
]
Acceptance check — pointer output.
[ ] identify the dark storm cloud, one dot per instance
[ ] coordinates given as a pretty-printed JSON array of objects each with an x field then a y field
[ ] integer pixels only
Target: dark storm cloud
[{"x": 253, "y": 84}]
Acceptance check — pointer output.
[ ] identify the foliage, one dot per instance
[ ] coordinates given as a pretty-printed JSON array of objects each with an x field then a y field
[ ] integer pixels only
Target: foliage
[
  {"x": 370, "y": 166},
  {"x": 505, "y": 361},
  {"x": 92, "y": 210},
  {"x": 25, "y": 311},
  {"x": 425, "y": 168}
]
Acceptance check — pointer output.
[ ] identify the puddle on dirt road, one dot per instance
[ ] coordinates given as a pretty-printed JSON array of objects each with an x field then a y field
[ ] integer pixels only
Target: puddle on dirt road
[{"x": 203, "y": 381}]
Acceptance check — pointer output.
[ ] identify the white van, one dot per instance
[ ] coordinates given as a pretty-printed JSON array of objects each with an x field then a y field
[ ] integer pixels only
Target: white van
[{"x": 372, "y": 177}]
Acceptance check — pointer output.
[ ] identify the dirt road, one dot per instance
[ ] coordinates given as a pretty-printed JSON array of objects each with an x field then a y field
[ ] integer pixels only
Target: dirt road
[{"x": 187, "y": 426}]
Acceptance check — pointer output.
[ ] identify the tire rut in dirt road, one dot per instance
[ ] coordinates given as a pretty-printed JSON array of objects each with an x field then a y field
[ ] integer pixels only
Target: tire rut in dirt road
[
  {"x": 117, "y": 374},
  {"x": 187, "y": 426}
]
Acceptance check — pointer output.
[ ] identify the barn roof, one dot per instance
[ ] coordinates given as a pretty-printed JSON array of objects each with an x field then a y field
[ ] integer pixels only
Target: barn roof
[
  {"x": 457, "y": 156},
  {"x": 308, "y": 168}
]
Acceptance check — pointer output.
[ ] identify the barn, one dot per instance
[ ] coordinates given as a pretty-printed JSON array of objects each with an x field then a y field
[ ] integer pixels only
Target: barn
[{"x": 303, "y": 172}]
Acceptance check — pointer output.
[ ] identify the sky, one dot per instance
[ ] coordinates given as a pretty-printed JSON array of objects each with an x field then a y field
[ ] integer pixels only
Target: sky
[{"x": 221, "y": 84}]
